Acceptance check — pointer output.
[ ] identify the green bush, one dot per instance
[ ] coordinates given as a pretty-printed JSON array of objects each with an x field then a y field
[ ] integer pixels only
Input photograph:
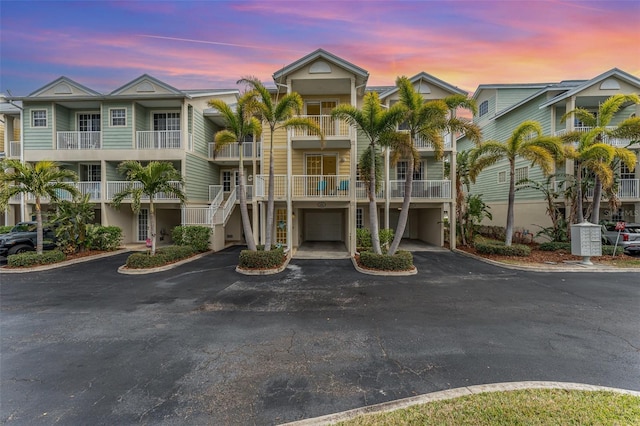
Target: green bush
[
  {"x": 194, "y": 236},
  {"x": 401, "y": 261},
  {"x": 555, "y": 246},
  {"x": 31, "y": 258},
  {"x": 386, "y": 237},
  {"x": 162, "y": 257},
  {"x": 492, "y": 232},
  {"x": 608, "y": 250},
  {"x": 5, "y": 229},
  {"x": 363, "y": 237},
  {"x": 261, "y": 259},
  {"x": 498, "y": 247},
  {"x": 103, "y": 237}
]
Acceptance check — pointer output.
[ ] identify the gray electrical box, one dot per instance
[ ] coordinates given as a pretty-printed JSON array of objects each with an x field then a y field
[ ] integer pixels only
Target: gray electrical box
[{"x": 586, "y": 240}]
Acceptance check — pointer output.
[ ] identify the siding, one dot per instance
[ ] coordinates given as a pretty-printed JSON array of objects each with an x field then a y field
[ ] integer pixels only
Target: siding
[
  {"x": 64, "y": 119},
  {"x": 200, "y": 138},
  {"x": 199, "y": 175},
  {"x": 435, "y": 169},
  {"x": 142, "y": 118},
  {"x": 117, "y": 137},
  {"x": 508, "y": 97},
  {"x": 38, "y": 137}
]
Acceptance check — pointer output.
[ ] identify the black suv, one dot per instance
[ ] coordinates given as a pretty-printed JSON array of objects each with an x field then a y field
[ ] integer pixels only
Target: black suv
[{"x": 22, "y": 237}]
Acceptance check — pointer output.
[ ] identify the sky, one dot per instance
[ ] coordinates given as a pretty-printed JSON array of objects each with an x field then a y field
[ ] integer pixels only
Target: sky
[{"x": 211, "y": 44}]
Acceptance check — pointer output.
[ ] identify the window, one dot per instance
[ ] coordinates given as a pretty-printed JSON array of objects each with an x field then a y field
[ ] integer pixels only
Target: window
[
  {"x": 359, "y": 218},
  {"x": 625, "y": 172},
  {"x": 577, "y": 123},
  {"x": 118, "y": 117},
  {"x": 484, "y": 108},
  {"x": 226, "y": 181},
  {"x": 143, "y": 223},
  {"x": 89, "y": 122},
  {"x": 401, "y": 170},
  {"x": 502, "y": 177},
  {"x": 521, "y": 173},
  {"x": 39, "y": 118}
]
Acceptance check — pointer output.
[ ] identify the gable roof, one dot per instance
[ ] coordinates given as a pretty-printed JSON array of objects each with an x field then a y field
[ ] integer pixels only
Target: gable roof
[
  {"x": 423, "y": 76},
  {"x": 146, "y": 83},
  {"x": 320, "y": 53},
  {"x": 483, "y": 87},
  {"x": 63, "y": 86}
]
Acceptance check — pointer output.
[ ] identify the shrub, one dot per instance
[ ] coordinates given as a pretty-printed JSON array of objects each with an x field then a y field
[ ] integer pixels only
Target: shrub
[
  {"x": 492, "y": 232},
  {"x": 554, "y": 246},
  {"x": 194, "y": 236},
  {"x": 261, "y": 259},
  {"x": 103, "y": 237},
  {"x": 401, "y": 261},
  {"x": 162, "y": 257},
  {"x": 363, "y": 237},
  {"x": 32, "y": 258},
  {"x": 608, "y": 250},
  {"x": 386, "y": 237},
  {"x": 5, "y": 229},
  {"x": 498, "y": 247}
]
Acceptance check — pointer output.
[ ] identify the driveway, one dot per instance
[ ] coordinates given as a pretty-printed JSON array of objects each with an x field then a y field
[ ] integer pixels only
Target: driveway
[{"x": 201, "y": 344}]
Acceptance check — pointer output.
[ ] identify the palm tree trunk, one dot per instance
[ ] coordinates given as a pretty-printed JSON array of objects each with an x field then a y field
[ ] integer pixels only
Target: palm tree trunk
[
  {"x": 404, "y": 212},
  {"x": 579, "y": 211},
  {"x": 152, "y": 224},
  {"x": 244, "y": 211},
  {"x": 460, "y": 208},
  {"x": 270, "y": 198},
  {"x": 512, "y": 196},
  {"x": 373, "y": 210},
  {"x": 39, "y": 236},
  {"x": 597, "y": 194}
]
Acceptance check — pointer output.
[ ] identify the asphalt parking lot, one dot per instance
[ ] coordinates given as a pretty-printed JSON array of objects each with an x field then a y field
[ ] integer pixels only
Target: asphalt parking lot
[{"x": 201, "y": 344}]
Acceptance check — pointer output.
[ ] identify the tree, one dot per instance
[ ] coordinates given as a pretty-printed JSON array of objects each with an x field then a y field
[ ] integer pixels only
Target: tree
[
  {"x": 593, "y": 153},
  {"x": 277, "y": 115},
  {"x": 150, "y": 180},
  {"x": 527, "y": 142},
  {"x": 43, "y": 179},
  {"x": 551, "y": 193},
  {"x": 465, "y": 168},
  {"x": 428, "y": 120},
  {"x": 377, "y": 125},
  {"x": 240, "y": 124},
  {"x": 72, "y": 218}
]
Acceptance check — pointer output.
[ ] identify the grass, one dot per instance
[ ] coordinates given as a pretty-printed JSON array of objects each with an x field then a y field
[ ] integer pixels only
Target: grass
[
  {"x": 625, "y": 262},
  {"x": 525, "y": 407}
]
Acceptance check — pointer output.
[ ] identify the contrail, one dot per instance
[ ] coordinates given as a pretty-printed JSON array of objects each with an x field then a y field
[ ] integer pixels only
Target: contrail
[{"x": 246, "y": 46}]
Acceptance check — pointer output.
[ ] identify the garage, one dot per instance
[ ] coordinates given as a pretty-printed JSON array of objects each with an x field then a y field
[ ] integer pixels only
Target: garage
[{"x": 323, "y": 225}]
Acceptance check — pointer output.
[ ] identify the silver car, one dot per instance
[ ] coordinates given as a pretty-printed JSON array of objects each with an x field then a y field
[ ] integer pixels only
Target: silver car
[{"x": 628, "y": 239}]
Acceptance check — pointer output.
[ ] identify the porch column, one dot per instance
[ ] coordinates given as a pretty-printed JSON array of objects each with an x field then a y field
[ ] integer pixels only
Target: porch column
[
  {"x": 353, "y": 204},
  {"x": 453, "y": 204},
  {"x": 289, "y": 173},
  {"x": 387, "y": 189}
]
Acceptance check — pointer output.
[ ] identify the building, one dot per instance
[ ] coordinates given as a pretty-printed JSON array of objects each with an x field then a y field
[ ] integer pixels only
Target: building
[
  {"x": 502, "y": 107},
  {"x": 318, "y": 196}
]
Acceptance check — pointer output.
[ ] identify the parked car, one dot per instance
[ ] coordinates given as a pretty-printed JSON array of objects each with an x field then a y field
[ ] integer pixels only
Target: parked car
[
  {"x": 23, "y": 237},
  {"x": 629, "y": 238}
]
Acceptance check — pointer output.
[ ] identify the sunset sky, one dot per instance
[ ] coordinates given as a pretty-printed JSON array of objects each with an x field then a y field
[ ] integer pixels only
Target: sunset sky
[{"x": 210, "y": 44}]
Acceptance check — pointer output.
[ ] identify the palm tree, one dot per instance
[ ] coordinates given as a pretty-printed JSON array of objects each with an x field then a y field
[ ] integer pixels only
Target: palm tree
[
  {"x": 377, "y": 125},
  {"x": 72, "y": 218},
  {"x": 150, "y": 180},
  {"x": 280, "y": 114},
  {"x": 425, "y": 119},
  {"x": 464, "y": 169},
  {"x": 240, "y": 124},
  {"x": 43, "y": 179},
  {"x": 526, "y": 141},
  {"x": 593, "y": 152}
]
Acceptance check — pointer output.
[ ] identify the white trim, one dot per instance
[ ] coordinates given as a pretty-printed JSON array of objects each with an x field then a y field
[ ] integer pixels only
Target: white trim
[
  {"x": 110, "y": 110},
  {"x": 33, "y": 119}
]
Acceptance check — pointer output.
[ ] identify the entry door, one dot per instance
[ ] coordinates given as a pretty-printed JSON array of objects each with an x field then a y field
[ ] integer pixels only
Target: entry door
[{"x": 325, "y": 225}]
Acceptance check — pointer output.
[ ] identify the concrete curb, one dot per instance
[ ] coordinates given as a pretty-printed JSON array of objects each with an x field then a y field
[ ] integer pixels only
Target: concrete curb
[
  {"x": 414, "y": 271},
  {"x": 551, "y": 268},
  {"x": 451, "y": 394},
  {"x": 62, "y": 264},
  {"x": 264, "y": 271},
  {"x": 126, "y": 271}
]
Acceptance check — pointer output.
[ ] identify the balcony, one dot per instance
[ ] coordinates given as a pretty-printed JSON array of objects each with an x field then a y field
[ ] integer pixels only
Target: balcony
[
  {"x": 628, "y": 189},
  {"x": 231, "y": 152},
  {"x": 114, "y": 187},
  {"x": 159, "y": 139},
  {"x": 424, "y": 189},
  {"x": 91, "y": 188},
  {"x": 361, "y": 190},
  {"x": 605, "y": 139},
  {"x": 337, "y": 133},
  {"x": 320, "y": 186},
  {"x": 421, "y": 144},
  {"x": 78, "y": 140}
]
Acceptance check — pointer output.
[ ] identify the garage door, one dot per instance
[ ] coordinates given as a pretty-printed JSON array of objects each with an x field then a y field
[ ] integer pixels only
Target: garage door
[{"x": 323, "y": 226}]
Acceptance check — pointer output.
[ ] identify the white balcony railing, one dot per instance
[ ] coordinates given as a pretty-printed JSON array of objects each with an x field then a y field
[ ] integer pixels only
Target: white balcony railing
[
  {"x": 262, "y": 186},
  {"x": 361, "y": 190},
  {"x": 222, "y": 214},
  {"x": 78, "y": 140},
  {"x": 91, "y": 188},
  {"x": 114, "y": 187},
  {"x": 14, "y": 149},
  {"x": 231, "y": 151},
  {"x": 421, "y": 144},
  {"x": 330, "y": 127},
  {"x": 158, "y": 139},
  {"x": 627, "y": 189},
  {"x": 432, "y": 189},
  {"x": 606, "y": 139},
  {"x": 214, "y": 192},
  {"x": 321, "y": 186}
]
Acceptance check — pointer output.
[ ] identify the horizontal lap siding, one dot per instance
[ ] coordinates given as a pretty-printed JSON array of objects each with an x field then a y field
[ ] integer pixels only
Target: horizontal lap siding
[
  {"x": 117, "y": 137},
  {"x": 64, "y": 119},
  {"x": 200, "y": 174},
  {"x": 38, "y": 137},
  {"x": 202, "y": 133},
  {"x": 509, "y": 97}
]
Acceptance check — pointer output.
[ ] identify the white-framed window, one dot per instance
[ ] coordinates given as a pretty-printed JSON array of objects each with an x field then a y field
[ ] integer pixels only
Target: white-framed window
[
  {"x": 89, "y": 122},
  {"x": 521, "y": 173},
  {"x": 625, "y": 172},
  {"x": 484, "y": 108},
  {"x": 226, "y": 180},
  {"x": 359, "y": 218},
  {"x": 39, "y": 118},
  {"x": 118, "y": 117},
  {"x": 143, "y": 224},
  {"x": 502, "y": 176},
  {"x": 401, "y": 171}
]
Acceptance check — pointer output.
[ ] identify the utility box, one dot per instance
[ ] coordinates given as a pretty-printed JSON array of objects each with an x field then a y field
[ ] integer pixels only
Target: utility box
[{"x": 586, "y": 241}]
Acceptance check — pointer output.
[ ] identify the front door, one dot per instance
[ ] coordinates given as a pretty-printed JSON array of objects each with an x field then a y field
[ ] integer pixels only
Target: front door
[{"x": 321, "y": 170}]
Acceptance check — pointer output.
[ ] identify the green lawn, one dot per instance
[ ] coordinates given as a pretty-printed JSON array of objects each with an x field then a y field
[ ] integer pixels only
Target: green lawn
[{"x": 525, "y": 407}]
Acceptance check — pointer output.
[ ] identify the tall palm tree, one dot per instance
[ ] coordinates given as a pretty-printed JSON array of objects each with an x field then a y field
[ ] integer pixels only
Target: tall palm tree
[
  {"x": 150, "y": 180},
  {"x": 593, "y": 152},
  {"x": 376, "y": 124},
  {"x": 526, "y": 141},
  {"x": 240, "y": 124},
  {"x": 43, "y": 179},
  {"x": 428, "y": 120},
  {"x": 278, "y": 114}
]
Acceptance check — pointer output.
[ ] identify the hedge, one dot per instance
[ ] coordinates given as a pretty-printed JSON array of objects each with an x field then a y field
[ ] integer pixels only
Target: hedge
[
  {"x": 31, "y": 258},
  {"x": 498, "y": 247},
  {"x": 5, "y": 229},
  {"x": 554, "y": 246},
  {"x": 194, "y": 236},
  {"x": 401, "y": 261},
  {"x": 163, "y": 256},
  {"x": 261, "y": 259},
  {"x": 100, "y": 237}
]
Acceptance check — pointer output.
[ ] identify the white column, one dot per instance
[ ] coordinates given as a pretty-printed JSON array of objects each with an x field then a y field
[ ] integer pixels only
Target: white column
[{"x": 289, "y": 172}]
